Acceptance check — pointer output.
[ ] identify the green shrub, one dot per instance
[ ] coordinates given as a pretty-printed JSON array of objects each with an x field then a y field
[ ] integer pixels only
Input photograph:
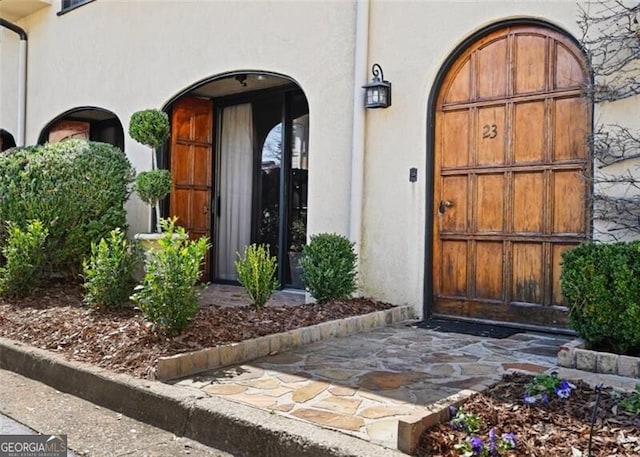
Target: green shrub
[
  {"x": 329, "y": 265},
  {"x": 601, "y": 284},
  {"x": 257, "y": 273},
  {"x": 77, "y": 189},
  {"x": 108, "y": 273},
  {"x": 24, "y": 257},
  {"x": 149, "y": 127},
  {"x": 168, "y": 295},
  {"x": 153, "y": 185}
]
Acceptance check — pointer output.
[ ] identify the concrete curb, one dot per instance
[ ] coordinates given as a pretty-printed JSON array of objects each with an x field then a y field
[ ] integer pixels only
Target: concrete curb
[
  {"x": 188, "y": 363},
  {"x": 213, "y": 421},
  {"x": 575, "y": 354}
]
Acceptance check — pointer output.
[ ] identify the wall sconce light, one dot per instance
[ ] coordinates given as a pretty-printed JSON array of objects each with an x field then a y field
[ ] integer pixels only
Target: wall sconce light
[{"x": 378, "y": 91}]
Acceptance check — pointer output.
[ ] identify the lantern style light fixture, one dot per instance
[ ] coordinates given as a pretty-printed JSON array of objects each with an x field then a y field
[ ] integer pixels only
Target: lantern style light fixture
[{"x": 378, "y": 91}]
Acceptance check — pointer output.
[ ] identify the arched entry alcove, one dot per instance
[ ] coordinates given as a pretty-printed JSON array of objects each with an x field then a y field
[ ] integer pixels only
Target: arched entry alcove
[
  {"x": 88, "y": 123},
  {"x": 6, "y": 140},
  {"x": 509, "y": 157},
  {"x": 238, "y": 155}
]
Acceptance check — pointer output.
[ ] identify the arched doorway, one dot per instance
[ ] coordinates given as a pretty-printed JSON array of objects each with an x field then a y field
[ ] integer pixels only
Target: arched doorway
[
  {"x": 6, "y": 140},
  {"x": 509, "y": 166},
  {"x": 239, "y": 160},
  {"x": 87, "y": 123}
]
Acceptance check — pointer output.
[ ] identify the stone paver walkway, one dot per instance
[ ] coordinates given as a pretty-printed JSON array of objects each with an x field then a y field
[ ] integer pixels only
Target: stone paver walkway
[
  {"x": 230, "y": 295},
  {"x": 365, "y": 384}
]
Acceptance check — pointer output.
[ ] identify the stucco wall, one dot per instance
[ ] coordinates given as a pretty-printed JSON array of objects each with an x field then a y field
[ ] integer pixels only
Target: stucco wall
[
  {"x": 411, "y": 40},
  {"x": 125, "y": 56}
]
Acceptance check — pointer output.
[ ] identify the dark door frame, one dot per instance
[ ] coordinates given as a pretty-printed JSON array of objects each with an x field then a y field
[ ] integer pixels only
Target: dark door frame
[{"x": 430, "y": 136}]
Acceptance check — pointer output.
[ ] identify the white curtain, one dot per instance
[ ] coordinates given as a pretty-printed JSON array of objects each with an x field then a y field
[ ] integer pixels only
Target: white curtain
[{"x": 236, "y": 173}]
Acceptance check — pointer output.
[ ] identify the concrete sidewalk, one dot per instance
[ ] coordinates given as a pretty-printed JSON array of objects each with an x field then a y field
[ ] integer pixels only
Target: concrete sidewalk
[{"x": 91, "y": 430}]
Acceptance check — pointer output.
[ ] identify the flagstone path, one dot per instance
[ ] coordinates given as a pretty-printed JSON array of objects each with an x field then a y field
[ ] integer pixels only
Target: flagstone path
[{"x": 365, "y": 384}]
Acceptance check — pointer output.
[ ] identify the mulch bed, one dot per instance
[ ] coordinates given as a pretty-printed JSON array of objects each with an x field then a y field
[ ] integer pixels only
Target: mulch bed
[
  {"x": 55, "y": 319},
  {"x": 556, "y": 429}
]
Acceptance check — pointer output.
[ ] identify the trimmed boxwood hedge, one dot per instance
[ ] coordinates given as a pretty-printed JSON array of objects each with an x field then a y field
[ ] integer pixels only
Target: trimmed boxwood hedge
[
  {"x": 76, "y": 188},
  {"x": 601, "y": 285}
]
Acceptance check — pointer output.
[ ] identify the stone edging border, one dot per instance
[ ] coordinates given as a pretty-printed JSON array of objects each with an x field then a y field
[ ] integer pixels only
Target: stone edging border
[
  {"x": 188, "y": 363},
  {"x": 575, "y": 354},
  {"x": 213, "y": 421}
]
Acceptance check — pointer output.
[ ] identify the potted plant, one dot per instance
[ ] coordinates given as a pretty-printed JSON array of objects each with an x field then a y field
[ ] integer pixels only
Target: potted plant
[
  {"x": 151, "y": 128},
  {"x": 298, "y": 240}
]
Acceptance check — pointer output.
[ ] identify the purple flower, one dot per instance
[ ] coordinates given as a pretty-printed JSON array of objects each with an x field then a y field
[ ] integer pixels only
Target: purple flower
[
  {"x": 509, "y": 440},
  {"x": 477, "y": 446},
  {"x": 529, "y": 399},
  {"x": 493, "y": 449},
  {"x": 453, "y": 411},
  {"x": 564, "y": 389},
  {"x": 544, "y": 398}
]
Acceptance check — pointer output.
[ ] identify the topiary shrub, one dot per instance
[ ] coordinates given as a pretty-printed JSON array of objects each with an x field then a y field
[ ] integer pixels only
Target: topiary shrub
[
  {"x": 329, "y": 267},
  {"x": 601, "y": 285},
  {"x": 108, "y": 273},
  {"x": 257, "y": 273},
  {"x": 151, "y": 127},
  {"x": 24, "y": 256},
  {"x": 168, "y": 295},
  {"x": 77, "y": 189}
]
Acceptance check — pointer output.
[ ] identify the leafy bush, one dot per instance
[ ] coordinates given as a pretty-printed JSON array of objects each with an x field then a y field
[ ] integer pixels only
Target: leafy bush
[
  {"x": 108, "y": 273},
  {"x": 153, "y": 185},
  {"x": 149, "y": 127},
  {"x": 24, "y": 256},
  {"x": 601, "y": 284},
  {"x": 257, "y": 273},
  {"x": 77, "y": 189},
  {"x": 329, "y": 267},
  {"x": 168, "y": 295}
]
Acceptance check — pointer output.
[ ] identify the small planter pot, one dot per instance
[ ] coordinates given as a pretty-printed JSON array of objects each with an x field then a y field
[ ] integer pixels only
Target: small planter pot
[{"x": 147, "y": 242}]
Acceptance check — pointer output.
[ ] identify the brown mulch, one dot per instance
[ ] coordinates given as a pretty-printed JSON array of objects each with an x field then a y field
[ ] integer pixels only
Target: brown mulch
[
  {"x": 55, "y": 319},
  {"x": 557, "y": 429}
]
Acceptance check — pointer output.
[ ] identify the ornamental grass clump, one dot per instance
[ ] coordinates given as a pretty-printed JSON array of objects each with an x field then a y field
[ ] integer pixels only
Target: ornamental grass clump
[
  {"x": 108, "y": 272},
  {"x": 256, "y": 269},
  {"x": 24, "y": 258},
  {"x": 329, "y": 267},
  {"x": 168, "y": 295}
]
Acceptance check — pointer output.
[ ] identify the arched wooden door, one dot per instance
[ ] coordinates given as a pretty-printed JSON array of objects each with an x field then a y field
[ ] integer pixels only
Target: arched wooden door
[{"x": 510, "y": 187}]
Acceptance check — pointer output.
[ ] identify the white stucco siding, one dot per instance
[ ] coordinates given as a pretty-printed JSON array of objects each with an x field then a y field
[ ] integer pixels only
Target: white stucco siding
[
  {"x": 126, "y": 56},
  {"x": 411, "y": 41}
]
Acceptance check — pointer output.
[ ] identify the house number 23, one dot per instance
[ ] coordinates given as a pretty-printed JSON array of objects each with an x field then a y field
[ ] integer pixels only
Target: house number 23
[{"x": 489, "y": 131}]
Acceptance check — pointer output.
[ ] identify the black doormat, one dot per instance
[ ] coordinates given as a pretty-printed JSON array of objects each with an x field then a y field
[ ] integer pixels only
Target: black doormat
[{"x": 468, "y": 328}]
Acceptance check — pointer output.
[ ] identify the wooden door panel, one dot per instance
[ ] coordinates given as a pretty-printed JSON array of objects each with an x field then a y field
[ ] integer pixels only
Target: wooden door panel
[
  {"x": 201, "y": 166},
  {"x": 181, "y": 168},
  {"x": 191, "y": 165},
  {"x": 510, "y": 193},
  {"x": 452, "y": 209},
  {"x": 454, "y": 268},
  {"x": 460, "y": 89},
  {"x": 492, "y": 65},
  {"x": 569, "y": 138},
  {"x": 569, "y": 70},
  {"x": 568, "y": 197},
  {"x": 528, "y": 202},
  {"x": 527, "y": 283},
  {"x": 489, "y": 205},
  {"x": 489, "y": 270},
  {"x": 490, "y": 135},
  {"x": 530, "y": 52},
  {"x": 455, "y": 134},
  {"x": 529, "y": 132}
]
